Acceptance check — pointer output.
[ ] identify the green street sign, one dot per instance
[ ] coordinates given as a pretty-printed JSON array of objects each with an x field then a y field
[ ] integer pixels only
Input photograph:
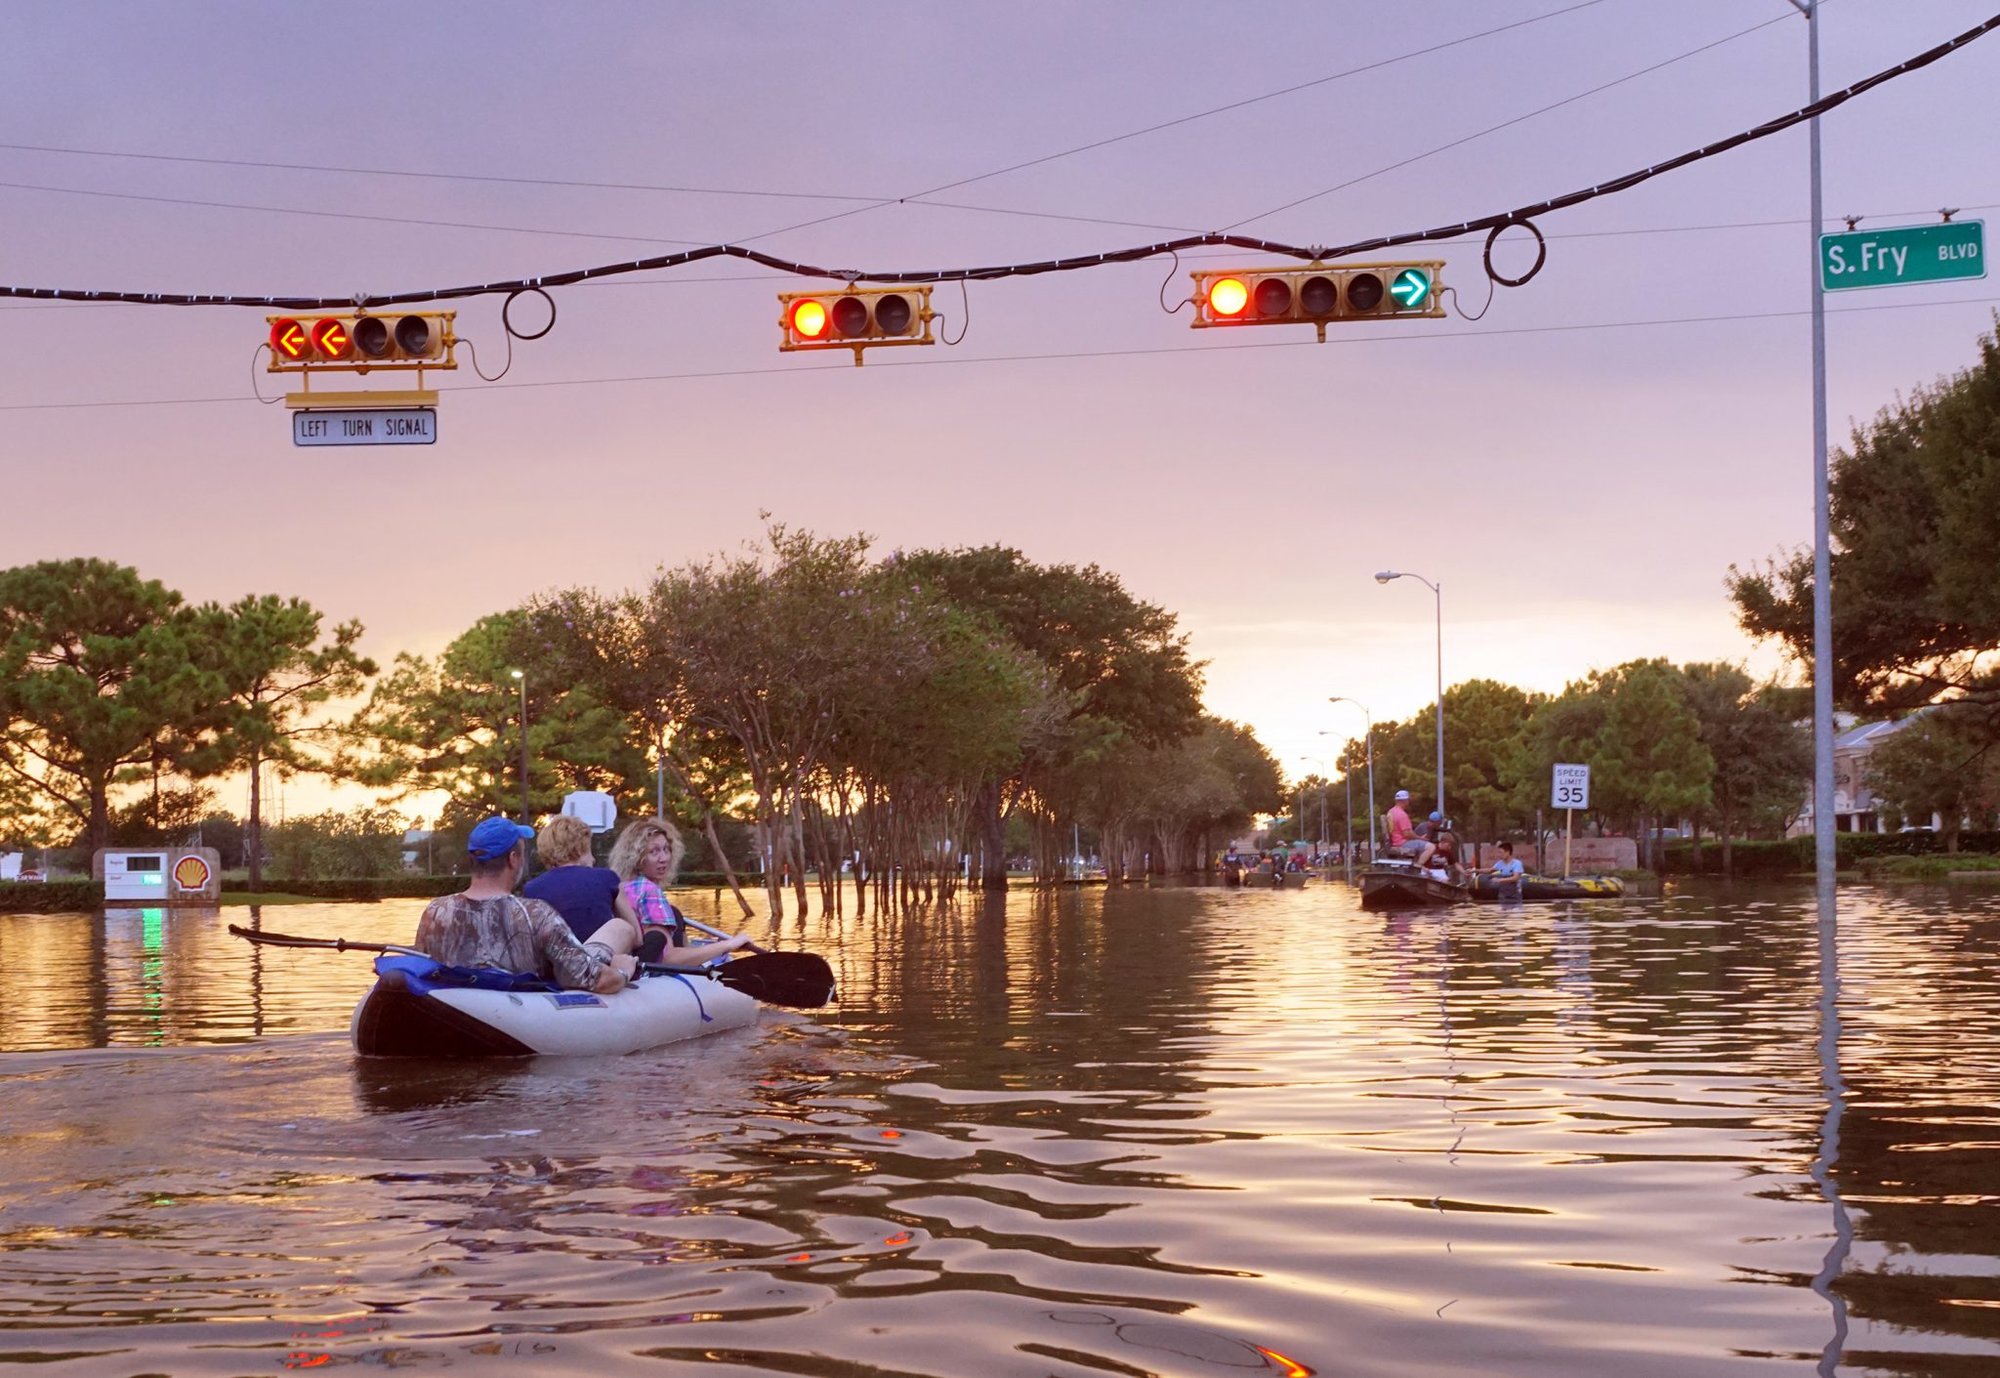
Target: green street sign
[
  {"x": 1410, "y": 288},
  {"x": 1910, "y": 253}
]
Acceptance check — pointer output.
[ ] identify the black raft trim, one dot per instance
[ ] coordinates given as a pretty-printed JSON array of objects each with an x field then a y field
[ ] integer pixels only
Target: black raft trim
[{"x": 396, "y": 1021}]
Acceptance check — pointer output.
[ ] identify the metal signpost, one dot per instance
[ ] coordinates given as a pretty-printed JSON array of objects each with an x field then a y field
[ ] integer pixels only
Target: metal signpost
[
  {"x": 373, "y": 426},
  {"x": 1569, "y": 791},
  {"x": 1945, "y": 252}
]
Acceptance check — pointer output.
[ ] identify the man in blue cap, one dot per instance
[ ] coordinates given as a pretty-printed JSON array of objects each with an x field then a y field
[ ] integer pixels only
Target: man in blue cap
[{"x": 487, "y": 925}]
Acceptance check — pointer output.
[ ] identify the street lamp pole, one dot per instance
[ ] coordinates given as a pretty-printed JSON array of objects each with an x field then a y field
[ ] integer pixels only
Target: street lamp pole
[
  {"x": 1822, "y": 610},
  {"x": 521, "y": 678},
  {"x": 1437, "y": 591},
  {"x": 1367, "y": 718}
]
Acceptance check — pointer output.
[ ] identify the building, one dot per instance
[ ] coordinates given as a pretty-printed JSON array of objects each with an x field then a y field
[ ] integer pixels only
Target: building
[{"x": 1854, "y": 804}]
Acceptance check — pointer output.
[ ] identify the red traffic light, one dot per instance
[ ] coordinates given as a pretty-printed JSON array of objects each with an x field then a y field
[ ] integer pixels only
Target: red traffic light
[
  {"x": 809, "y": 318},
  {"x": 1318, "y": 295},
  {"x": 288, "y": 338},
  {"x": 856, "y": 318},
  {"x": 330, "y": 337}
]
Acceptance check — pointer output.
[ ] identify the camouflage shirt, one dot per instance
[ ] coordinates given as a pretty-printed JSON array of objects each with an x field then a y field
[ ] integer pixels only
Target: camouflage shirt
[{"x": 510, "y": 934}]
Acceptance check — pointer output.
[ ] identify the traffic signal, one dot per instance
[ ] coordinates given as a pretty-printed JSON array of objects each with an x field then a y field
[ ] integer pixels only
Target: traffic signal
[
  {"x": 855, "y": 318},
  {"x": 360, "y": 341},
  {"x": 1317, "y": 295}
]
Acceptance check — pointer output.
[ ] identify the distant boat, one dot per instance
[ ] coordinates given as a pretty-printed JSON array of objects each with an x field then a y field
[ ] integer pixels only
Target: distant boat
[
  {"x": 1401, "y": 885},
  {"x": 1277, "y": 879}
]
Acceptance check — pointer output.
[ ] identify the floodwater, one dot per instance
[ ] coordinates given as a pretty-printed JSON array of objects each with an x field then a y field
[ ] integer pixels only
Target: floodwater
[{"x": 1142, "y": 1131}]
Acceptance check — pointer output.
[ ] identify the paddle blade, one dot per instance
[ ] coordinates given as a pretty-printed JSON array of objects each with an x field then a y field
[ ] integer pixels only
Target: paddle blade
[{"x": 800, "y": 980}]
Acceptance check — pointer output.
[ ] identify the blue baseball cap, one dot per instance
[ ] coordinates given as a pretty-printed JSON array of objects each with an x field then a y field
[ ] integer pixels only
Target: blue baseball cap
[
  {"x": 1436, "y": 817},
  {"x": 496, "y": 837}
]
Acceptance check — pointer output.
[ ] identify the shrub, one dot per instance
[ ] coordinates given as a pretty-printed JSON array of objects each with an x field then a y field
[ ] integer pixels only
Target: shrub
[
  {"x": 53, "y": 897},
  {"x": 367, "y": 887},
  {"x": 1937, "y": 866},
  {"x": 1795, "y": 854}
]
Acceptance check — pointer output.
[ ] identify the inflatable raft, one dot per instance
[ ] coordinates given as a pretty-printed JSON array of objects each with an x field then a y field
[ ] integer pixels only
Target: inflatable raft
[
  {"x": 421, "y": 1008},
  {"x": 1554, "y": 888}
]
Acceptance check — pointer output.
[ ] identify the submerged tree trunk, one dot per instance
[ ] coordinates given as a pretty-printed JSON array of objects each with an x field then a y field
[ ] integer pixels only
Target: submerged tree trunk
[
  {"x": 253, "y": 831},
  {"x": 728, "y": 870},
  {"x": 992, "y": 836}
]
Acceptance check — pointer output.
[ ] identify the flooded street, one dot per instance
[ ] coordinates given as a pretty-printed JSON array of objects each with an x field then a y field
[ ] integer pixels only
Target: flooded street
[{"x": 1147, "y": 1131}]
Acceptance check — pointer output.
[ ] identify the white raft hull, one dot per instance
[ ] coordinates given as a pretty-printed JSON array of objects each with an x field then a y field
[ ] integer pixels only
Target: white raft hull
[{"x": 407, "y": 1014}]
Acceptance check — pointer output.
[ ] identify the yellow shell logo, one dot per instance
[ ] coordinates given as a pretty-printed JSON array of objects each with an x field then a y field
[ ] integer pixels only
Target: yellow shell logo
[{"x": 191, "y": 873}]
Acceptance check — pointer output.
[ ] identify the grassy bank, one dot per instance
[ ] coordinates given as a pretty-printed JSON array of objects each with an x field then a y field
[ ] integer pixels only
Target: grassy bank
[{"x": 1938, "y": 866}]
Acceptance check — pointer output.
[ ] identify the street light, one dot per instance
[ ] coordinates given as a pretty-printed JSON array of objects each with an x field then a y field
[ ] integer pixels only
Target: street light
[
  {"x": 1384, "y": 577},
  {"x": 521, "y": 678},
  {"x": 1318, "y": 763},
  {"x": 1369, "y": 719}
]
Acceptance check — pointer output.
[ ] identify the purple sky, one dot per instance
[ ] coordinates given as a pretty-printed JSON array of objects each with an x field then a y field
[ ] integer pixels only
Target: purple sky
[{"x": 1577, "y": 473}]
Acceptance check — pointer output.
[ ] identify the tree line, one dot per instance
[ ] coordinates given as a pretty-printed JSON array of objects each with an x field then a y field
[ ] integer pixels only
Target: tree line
[
  {"x": 1701, "y": 743},
  {"x": 884, "y": 719}
]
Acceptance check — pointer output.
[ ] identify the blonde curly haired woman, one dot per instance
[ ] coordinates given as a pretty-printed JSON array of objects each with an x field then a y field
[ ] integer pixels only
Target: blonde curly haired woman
[{"x": 646, "y": 857}]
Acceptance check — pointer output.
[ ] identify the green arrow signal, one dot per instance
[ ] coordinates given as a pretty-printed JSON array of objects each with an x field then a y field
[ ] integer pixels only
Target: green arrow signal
[{"x": 1411, "y": 287}]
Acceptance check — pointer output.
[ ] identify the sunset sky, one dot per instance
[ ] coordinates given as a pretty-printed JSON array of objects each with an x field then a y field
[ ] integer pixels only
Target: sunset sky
[{"x": 1578, "y": 467}]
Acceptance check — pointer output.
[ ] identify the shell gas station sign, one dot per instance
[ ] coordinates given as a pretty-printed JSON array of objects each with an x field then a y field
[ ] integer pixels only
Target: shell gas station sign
[{"x": 159, "y": 875}]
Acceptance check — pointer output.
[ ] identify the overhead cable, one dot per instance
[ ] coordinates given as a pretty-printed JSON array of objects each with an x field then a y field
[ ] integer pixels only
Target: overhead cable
[{"x": 1491, "y": 224}]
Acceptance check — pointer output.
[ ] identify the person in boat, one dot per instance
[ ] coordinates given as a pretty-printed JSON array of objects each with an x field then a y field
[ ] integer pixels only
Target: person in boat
[
  {"x": 487, "y": 925},
  {"x": 589, "y": 897},
  {"x": 1404, "y": 839},
  {"x": 1507, "y": 873},
  {"x": 646, "y": 858},
  {"x": 1444, "y": 851}
]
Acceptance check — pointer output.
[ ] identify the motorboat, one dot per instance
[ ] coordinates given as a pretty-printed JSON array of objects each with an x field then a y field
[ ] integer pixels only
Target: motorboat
[{"x": 1405, "y": 885}]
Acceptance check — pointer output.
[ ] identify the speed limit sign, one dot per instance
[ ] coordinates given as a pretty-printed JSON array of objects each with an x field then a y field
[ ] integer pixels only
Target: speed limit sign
[{"x": 1572, "y": 787}]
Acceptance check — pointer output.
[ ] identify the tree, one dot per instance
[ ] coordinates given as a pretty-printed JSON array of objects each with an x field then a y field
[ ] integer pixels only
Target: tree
[
  {"x": 1560, "y": 729},
  {"x": 454, "y": 724},
  {"x": 1118, "y": 666},
  {"x": 1941, "y": 762},
  {"x": 100, "y": 671},
  {"x": 364, "y": 845},
  {"x": 1915, "y": 517},
  {"x": 1484, "y": 722},
  {"x": 1763, "y": 759},
  {"x": 162, "y": 817},
  {"x": 1167, "y": 801},
  {"x": 276, "y": 671},
  {"x": 1650, "y": 762}
]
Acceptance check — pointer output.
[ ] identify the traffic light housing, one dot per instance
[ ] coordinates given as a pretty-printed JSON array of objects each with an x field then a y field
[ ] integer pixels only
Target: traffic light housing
[
  {"x": 855, "y": 318},
  {"x": 1318, "y": 294},
  {"x": 359, "y": 341}
]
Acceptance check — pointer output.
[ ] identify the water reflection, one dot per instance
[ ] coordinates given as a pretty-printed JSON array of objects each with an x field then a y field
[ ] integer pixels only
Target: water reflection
[{"x": 1139, "y": 1131}]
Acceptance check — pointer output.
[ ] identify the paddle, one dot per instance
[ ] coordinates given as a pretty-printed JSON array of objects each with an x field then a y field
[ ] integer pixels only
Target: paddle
[
  {"x": 799, "y": 980},
  {"x": 258, "y": 935}
]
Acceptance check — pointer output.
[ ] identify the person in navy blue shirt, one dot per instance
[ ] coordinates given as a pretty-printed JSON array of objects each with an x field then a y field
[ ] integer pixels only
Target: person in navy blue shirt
[{"x": 589, "y": 898}]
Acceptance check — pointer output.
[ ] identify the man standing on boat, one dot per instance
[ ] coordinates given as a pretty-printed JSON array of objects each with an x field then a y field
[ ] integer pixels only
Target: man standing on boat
[{"x": 487, "y": 925}]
